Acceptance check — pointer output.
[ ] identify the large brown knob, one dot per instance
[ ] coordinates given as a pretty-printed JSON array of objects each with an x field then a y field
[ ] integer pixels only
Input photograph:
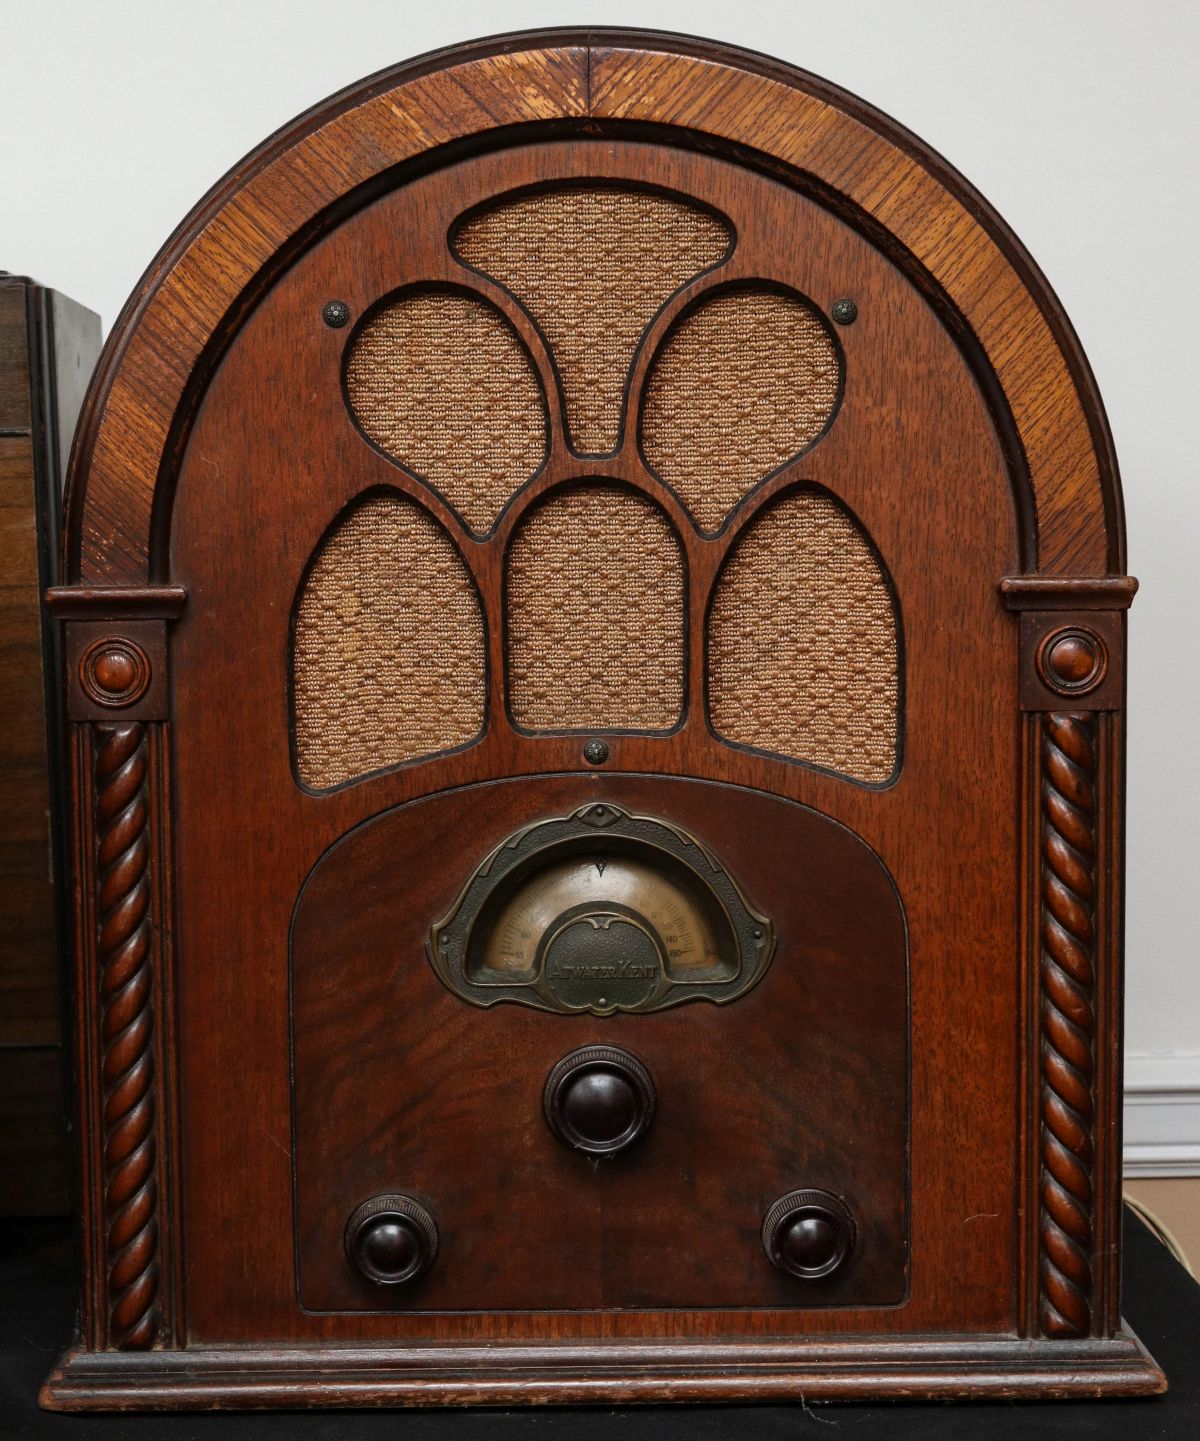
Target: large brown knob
[
  {"x": 391, "y": 1239},
  {"x": 599, "y": 1100},
  {"x": 808, "y": 1234}
]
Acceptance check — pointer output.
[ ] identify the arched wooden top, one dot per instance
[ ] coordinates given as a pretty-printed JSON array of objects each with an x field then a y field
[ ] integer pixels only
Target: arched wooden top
[{"x": 135, "y": 416}]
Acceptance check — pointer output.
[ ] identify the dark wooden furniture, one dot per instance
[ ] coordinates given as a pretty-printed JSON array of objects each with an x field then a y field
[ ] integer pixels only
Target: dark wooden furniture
[
  {"x": 48, "y": 346},
  {"x": 595, "y": 653}
]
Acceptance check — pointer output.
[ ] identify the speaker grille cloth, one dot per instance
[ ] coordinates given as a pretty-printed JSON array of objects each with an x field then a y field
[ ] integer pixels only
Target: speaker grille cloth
[
  {"x": 802, "y": 649},
  {"x": 592, "y": 266},
  {"x": 743, "y": 382},
  {"x": 441, "y": 382},
  {"x": 595, "y": 607},
  {"x": 388, "y": 659}
]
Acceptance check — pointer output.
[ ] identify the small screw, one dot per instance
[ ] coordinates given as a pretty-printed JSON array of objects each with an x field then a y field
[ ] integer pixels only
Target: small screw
[
  {"x": 595, "y": 753},
  {"x": 845, "y": 312},
  {"x": 336, "y": 314}
]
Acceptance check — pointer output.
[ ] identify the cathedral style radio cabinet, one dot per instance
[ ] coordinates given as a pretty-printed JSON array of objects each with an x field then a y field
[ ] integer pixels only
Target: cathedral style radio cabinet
[{"x": 594, "y": 656}]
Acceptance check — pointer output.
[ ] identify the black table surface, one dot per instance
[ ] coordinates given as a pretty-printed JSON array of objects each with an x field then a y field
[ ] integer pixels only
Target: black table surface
[{"x": 1162, "y": 1304}]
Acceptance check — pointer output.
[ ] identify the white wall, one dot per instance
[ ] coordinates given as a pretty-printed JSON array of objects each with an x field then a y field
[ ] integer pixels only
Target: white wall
[{"x": 1075, "y": 117}]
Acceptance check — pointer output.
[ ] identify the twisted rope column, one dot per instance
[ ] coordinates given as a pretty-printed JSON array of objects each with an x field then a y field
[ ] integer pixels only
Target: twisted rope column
[
  {"x": 125, "y": 965},
  {"x": 1068, "y": 1023}
]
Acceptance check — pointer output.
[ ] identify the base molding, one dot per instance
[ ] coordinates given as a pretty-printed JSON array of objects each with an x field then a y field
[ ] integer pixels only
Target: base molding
[
  {"x": 1162, "y": 1113},
  {"x": 650, "y": 1372}
]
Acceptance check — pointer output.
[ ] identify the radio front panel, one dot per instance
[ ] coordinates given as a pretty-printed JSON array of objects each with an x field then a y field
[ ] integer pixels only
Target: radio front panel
[{"x": 588, "y": 890}]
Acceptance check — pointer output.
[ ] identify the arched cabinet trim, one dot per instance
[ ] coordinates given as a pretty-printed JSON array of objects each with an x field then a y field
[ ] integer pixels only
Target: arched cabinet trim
[{"x": 775, "y": 114}]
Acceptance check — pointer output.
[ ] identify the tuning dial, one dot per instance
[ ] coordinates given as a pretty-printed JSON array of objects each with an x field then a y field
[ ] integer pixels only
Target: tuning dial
[
  {"x": 391, "y": 1239},
  {"x": 808, "y": 1234},
  {"x": 599, "y": 1100}
]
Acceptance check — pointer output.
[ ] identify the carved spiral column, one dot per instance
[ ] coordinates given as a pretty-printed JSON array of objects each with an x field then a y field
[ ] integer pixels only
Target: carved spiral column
[
  {"x": 1068, "y": 939},
  {"x": 127, "y": 1068}
]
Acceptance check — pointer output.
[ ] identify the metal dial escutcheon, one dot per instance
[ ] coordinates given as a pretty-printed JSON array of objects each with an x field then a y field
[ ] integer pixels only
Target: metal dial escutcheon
[
  {"x": 600, "y": 911},
  {"x": 391, "y": 1239},
  {"x": 599, "y": 1100},
  {"x": 808, "y": 1234}
]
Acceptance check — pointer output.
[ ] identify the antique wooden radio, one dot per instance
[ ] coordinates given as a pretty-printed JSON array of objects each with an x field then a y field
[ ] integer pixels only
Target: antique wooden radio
[{"x": 595, "y": 656}]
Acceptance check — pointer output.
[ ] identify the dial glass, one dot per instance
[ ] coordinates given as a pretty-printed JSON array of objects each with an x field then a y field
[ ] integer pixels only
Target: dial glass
[{"x": 598, "y": 891}]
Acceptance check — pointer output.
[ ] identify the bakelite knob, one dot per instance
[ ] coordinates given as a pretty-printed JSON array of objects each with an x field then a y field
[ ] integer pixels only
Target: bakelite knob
[
  {"x": 391, "y": 1239},
  {"x": 808, "y": 1234},
  {"x": 599, "y": 1100}
]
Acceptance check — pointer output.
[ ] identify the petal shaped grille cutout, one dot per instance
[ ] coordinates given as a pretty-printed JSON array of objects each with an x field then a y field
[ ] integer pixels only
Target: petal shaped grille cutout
[
  {"x": 741, "y": 385},
  {"x": 803, "y": 647},
  {"x": 441, "y": 382},
  {"x": 595, "y": 605},
  {"x": 593, "y": 265},
  {"x": 388, "y": 646}
]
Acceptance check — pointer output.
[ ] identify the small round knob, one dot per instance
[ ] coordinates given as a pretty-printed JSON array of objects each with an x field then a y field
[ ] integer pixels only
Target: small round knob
[
  {"x": 391, "y": 1239},
  {"x": 808, "y": 1234},
  {"x": 599, "y": 1100}
]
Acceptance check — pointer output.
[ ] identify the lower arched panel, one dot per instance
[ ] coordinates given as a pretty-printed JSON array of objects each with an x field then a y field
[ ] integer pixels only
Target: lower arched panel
[{"x": 798, "y": 1082}]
